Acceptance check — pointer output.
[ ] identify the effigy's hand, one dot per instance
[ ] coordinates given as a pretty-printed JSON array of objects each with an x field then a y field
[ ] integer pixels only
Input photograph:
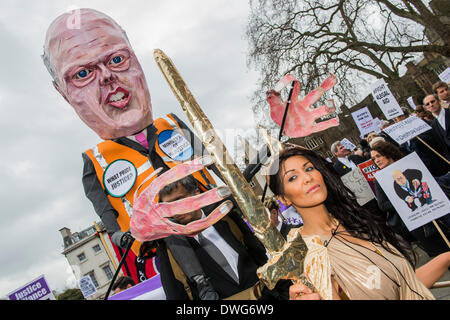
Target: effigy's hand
[
  {"x": 152, "y": 220},
  {"x": 301, "y": 117}
]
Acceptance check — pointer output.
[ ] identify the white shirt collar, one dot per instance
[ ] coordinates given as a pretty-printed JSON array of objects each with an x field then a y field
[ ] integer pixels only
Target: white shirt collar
[{"x": 441, "y": 118}]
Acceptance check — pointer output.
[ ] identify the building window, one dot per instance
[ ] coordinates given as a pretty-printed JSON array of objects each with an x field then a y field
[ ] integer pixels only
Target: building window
[
  {"x": 94, "y": 279},
  {"x": 81, "y": 257},
  {"x": 108, "y": 272},
  {"x": 96, "y": 248}
]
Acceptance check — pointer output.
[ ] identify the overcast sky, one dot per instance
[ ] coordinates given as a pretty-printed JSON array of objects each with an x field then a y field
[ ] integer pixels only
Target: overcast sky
[{"x": 43, "y": 138}]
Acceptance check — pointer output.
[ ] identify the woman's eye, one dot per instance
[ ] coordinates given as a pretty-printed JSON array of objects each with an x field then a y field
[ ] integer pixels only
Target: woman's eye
[
  {"x": 308, "y": 169},
  {"x": 292, "y": 178},
  {"x": 82, "y": 74},
  {"x": 116, "y": 60}
]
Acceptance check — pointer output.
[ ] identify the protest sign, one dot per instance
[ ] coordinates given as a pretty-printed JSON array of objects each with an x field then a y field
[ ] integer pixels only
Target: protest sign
[
  {"x": 413, "y": 192},
  {"x": 150, "y": 289},
  {"x": 87, "y": 286},
  {"x": 363, "y": 120},
  {"x": 368, "y": 168},
  {"x": 356, "y": 182},
  {"x": 411, "y": 102},
  {"x": 386, "y": 100},
  {"x": 291, "y": 216},
  {"x": 347, "y": 144},
  {"x": 407, "y": 129},
  {"x": 377, "y": 125},
  {"x": 445, "y": 76},
  {"x": 38, "y": 289}
]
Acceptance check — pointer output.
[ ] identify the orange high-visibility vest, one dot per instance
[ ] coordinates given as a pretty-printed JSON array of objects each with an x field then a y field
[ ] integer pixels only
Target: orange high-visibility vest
[{"x": 109, "y": 151}]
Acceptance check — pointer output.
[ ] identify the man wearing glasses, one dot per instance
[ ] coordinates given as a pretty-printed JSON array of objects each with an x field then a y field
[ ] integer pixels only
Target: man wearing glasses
[{"x": 441, "y": 122}]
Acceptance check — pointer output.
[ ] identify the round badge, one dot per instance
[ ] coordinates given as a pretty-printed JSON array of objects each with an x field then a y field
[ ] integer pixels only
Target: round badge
[
  {"x": 175, "y": 145},
  {"x": 119, "y": 177}
]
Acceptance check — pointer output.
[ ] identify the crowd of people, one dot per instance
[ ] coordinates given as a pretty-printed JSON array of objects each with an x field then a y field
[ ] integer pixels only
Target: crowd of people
[{"x": 354, "y": 252}]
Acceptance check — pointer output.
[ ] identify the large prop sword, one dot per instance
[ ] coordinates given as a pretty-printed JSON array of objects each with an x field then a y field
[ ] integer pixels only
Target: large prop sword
[{"x": 287, "y": 256}]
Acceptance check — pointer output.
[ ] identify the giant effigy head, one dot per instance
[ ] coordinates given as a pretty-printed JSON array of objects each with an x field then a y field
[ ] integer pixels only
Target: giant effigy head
[{"x": 95, "y": 69}]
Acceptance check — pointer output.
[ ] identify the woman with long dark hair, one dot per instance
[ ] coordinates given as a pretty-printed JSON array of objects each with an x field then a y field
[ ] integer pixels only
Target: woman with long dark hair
[{"x": 351, "y": 252}]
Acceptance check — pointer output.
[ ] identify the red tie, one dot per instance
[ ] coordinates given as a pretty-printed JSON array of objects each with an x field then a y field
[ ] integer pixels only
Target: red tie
[{"x": 142, "y": 139}]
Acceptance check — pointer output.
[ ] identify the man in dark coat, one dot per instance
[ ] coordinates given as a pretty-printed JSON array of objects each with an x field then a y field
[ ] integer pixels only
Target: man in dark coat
[
  {"x": 441, "y": 122},
  {"x": 346, "y": 162},
  {"x": 226, "y": 262}
]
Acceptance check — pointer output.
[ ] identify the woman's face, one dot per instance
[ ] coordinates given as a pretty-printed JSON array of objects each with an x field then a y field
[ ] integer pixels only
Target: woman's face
[
  {"x": 380, "y": 160},
  {"x": 303, "y": 184}
]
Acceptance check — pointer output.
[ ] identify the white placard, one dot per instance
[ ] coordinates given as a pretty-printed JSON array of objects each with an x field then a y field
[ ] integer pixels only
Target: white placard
[
  {"x": 386, "y": 100},
  {"x": 347, "y": 144},
  {"x": 377, "y": 125},
  {"x": 407, "y": 129},
  {"x": 364, "y": 120},
  {"x": 355, "y": 181},
  {"x": 445, "y": 76},
  {"x": 411, "y": 102},
  {"x": 420, "y": 200},
  {"x": 87, "y": 286}
]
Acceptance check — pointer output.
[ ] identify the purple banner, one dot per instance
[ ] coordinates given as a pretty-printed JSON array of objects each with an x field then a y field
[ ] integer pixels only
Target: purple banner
[
  {"x": 282, "y": 206},
  {"x": 38, "y": 289},
  {"x": 150, "y": 289}
]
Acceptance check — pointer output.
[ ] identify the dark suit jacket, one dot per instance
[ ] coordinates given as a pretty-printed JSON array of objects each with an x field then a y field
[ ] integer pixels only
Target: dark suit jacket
[
  {"x": 443, "y": 136},
  {"x": 251, "y": 256},
  {"x": 435, "y": 164},
  {"x": 342, "y": 169}
]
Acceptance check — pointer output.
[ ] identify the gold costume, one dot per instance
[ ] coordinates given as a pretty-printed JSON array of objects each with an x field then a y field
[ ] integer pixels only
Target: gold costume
[{"x": 357, "y": 271}]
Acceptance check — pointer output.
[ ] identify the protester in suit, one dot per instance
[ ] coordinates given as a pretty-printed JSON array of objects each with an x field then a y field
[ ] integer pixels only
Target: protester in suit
[
  {"x": 346, "y": 162},
  {"x": 230, "y": 273},
  {"x": 441, "y": 122},
  {"x": 422, "y": 143}
]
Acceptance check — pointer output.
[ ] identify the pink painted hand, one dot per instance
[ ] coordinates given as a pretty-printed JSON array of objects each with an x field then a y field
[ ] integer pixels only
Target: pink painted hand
[
  {"x": 151, "y": 220},
  {"x": 300, "y": 119}
]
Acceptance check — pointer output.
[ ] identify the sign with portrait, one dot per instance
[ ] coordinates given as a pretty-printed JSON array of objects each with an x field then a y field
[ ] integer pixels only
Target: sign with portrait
[{"x": 413, "y": 192}]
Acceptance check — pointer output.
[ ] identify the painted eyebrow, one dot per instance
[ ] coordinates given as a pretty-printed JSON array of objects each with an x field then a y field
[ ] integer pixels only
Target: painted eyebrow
[{"x": 295, "y": 169}]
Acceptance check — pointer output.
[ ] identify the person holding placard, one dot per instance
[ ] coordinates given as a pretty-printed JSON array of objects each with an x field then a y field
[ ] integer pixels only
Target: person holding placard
[
  {"x": 346, "y": 162},
  {"x": 352, "y": 254},
  {"x": 422, "y": 143},
  {"x": 383, "y": 155},
  {"x": 441, "y": 123}
]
